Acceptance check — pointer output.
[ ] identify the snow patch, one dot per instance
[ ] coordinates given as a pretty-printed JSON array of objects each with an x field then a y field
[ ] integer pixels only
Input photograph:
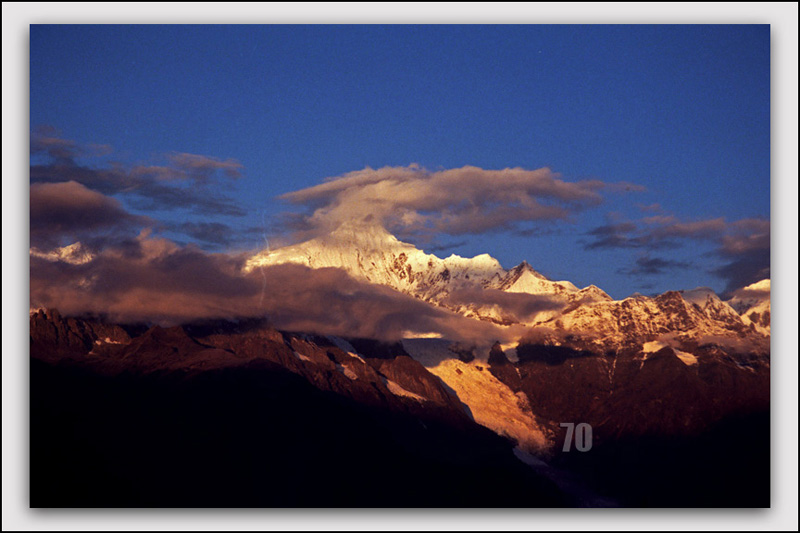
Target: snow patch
[
  {"x": 687, "y": 358},
  {"x": 397, "y": 390},
  {"x": 347, "y": 371},
  {"x": 303, "y": 357},
  {"x": 699, "y": 296},
  {"x": 654, "y": 346},
  {"x": 107, "y": 340},
  {"x": 354, "y": 355},
  {"x": 345, "y": 347}
]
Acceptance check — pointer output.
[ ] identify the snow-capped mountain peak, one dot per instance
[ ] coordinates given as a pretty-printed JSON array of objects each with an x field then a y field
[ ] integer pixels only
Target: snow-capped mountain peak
[
  {"x": 373, "y": 255},
  {"x": 753, "y": 304},
  {"x": 523, "y": 278}
]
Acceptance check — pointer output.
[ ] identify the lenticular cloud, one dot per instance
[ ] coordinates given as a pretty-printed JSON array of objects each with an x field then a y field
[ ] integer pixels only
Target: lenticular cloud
[{"x": 467, "y": 200}]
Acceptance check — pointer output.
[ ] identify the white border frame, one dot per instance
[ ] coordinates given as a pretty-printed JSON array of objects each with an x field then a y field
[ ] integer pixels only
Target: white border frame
[{"x": 783, "y": 20}]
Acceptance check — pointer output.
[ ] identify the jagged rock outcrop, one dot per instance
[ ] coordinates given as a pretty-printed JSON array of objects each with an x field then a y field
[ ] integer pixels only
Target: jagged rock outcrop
[{"x": 57, "y": 336}]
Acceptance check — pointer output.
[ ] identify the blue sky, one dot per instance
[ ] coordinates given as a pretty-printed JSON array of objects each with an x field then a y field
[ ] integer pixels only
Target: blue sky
[{"x": 681, "y": 113}]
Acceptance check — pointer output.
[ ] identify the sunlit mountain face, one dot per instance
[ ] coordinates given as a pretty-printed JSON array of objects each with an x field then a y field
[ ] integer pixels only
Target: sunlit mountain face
[{"x": 395, "y": 266}]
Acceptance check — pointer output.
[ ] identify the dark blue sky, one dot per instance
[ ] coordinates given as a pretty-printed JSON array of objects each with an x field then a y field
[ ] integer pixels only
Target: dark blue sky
[{"x": 682, "y": 112}]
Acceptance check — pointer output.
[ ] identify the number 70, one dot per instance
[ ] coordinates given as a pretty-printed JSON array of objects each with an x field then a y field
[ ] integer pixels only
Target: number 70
[{"x": 582, "y": 433}]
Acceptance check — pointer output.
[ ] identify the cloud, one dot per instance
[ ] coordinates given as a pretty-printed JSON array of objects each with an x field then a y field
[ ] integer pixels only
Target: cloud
[
  {"x": 651, "y": 266},
  {"x": 210, "y": 232},
  {"x": 748, "y": 235},
  {"x": 614, "y": 236},
  {"x": 216, "y": 235},
  {"x": 73, "y": 212},
  {"x": 157, "y": 281},
  {"x": 744, "y": 270},
  {"x": 45, "y": 141},
  {"x": 514, "y": 307},
  {"x": 201, "y": 168},
  {"x": 745, "y": 293},
  {"x": 743, "y": 244},
  {"x": 182, "y": 184},
  {"x": 747, "y": 250},
  {"x": 468, "y": 200},
  {"x": 702, "y": 229}
]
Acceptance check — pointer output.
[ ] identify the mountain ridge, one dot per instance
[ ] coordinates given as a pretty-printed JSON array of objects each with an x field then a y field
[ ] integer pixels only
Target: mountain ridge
[{"x": 466, "y": 285}]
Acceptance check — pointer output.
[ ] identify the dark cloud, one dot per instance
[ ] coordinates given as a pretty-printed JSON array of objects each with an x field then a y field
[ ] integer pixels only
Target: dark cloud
[
  {"x": 329, "y": 301},
  {"x": 744, "y": 270},
  {"x": 743, "y": 244},
  {"x": 669, "y": 227},
  {"x": 617, "y": 235},
  {"x": 651, "y": 266},
  {"x": 217, "y": 236},
  {"x": 748, "y": 235},
  {"x": 221, "y": 235},
  {"x": 747, "y": 250},
  {"x": 627, "y": 235},
  {"x": 183, "y": 184},
  {"x": 156, "y": 196},
  {"x": 155, "y": 280},
  {"x": 70, "y": 211},
  {"x": 467, "y": 200}
]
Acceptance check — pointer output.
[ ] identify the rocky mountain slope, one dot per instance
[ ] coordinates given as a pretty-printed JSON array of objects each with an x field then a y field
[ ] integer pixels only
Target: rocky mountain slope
[{"x": 522, "y": 395}]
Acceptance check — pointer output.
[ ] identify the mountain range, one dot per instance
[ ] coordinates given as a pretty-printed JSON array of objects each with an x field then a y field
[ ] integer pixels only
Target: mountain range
[
  {"x": 481, "y": 288},
  {"x": 653, "y": 376}
]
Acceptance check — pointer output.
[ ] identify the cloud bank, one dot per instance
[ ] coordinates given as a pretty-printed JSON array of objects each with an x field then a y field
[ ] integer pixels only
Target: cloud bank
[
  {"x": 183, "y": 183},
  {"x": 743, "y": 245},
  {"x": 154, "y": 280},
  {"x": 69, "y": 210}
]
